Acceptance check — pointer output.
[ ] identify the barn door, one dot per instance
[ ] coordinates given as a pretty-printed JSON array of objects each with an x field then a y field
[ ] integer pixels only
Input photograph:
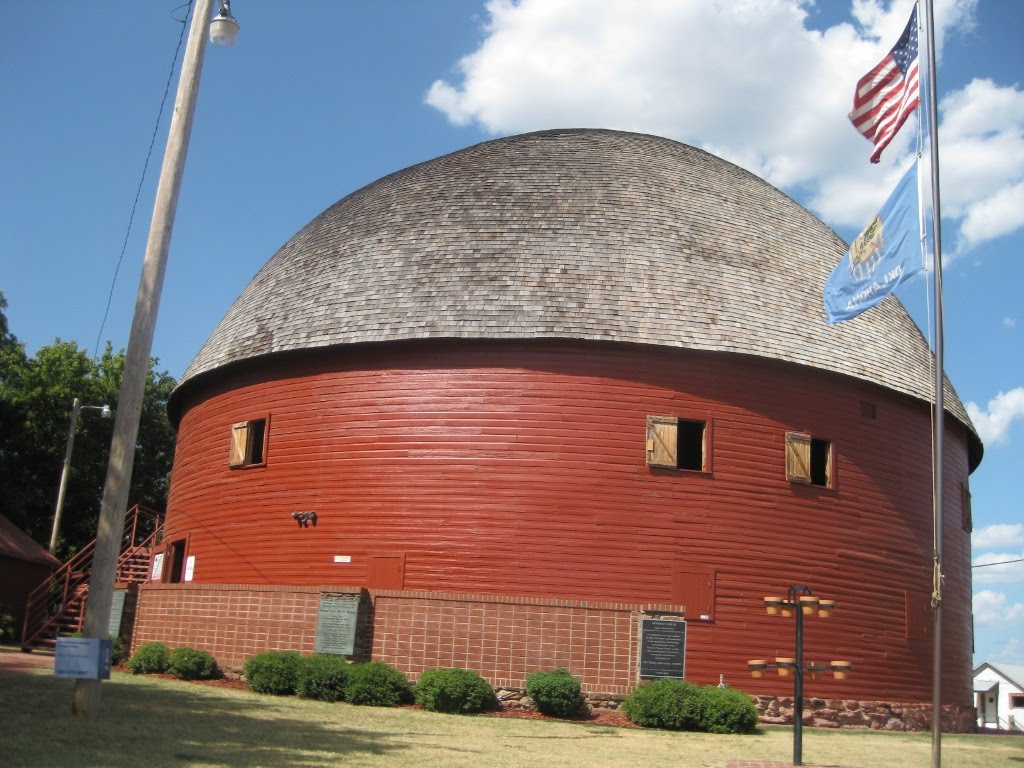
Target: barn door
[
  {"x": 694, "y": 588},
  {"x": 386, "y": 572}
]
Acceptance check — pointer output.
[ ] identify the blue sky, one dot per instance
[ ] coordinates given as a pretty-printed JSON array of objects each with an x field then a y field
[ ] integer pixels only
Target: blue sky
[{"x": 320, "y": 98}]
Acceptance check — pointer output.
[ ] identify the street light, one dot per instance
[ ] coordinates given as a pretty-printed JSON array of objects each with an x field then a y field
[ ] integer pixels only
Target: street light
[
  {"x": 799, "y": 601},
  {"x": 86, "y": 699},
  {"x": 224, "y": 26},
  {"x": 76, "y": 408}
]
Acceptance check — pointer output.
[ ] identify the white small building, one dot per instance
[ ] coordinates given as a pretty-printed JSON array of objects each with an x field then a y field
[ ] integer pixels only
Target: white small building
[{"x": 999, "y": 696}]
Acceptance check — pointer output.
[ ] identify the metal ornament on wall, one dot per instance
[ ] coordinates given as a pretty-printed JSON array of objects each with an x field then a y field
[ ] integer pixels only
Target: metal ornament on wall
[{"x": 304, "y": 519}]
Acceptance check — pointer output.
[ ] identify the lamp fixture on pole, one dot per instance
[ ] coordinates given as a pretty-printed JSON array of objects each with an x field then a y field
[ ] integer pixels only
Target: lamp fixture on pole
[
  {"x": 799, "y": 602},
  {"x": 76, "y": 408},
  {"x": 224, "y": 26}
]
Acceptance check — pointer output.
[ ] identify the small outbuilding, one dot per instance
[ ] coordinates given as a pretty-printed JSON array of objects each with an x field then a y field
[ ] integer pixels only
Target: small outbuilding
[
  {"x": 999, "y": 694},
  {"x": 24, "y": 565}
]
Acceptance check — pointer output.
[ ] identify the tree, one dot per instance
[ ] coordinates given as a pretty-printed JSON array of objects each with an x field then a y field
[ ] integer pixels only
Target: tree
[
  {"x": 13, "y": 364},
  {"x": 36, "y": 396}
]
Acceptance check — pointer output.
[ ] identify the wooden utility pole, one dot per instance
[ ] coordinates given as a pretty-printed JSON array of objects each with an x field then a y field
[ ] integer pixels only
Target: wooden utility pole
[{"x": 86, "y": 700}]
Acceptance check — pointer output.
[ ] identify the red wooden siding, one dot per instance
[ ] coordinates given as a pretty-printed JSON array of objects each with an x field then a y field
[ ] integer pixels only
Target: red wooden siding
[{"x": 520, "y": 469}]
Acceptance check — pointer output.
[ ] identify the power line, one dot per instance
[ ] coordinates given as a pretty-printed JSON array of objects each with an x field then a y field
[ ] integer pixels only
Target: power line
[
  {"x": 1002, "y": 562},
  {"x": 145, "y": 168}
]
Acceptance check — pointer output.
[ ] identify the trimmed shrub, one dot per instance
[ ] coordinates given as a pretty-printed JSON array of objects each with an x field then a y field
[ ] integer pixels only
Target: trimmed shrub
[
  {"x": 555, "y": 692},
  {"x": 461, "y": 691},
  {"x": 323, "y": 677},
  {"x": 726, "y": 710},
  {"x": 273, "y": 672},
  {"x": 670, "y": 704},
  {"x": 149, "y": 659},
  {"x": 678, "y": 705},
  {"x": 377, "y": 684},
  {"x": 192, "y": 664}
]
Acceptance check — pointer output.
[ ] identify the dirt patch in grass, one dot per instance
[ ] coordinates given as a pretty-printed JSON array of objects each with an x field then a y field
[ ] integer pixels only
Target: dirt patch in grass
[{"x": 596, "y": 717}]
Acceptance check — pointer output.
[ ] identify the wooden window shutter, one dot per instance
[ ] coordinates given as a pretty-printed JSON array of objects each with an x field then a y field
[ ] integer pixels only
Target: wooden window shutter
[
  {"x": 662, "y": 441},
  {"x": 239, "y": 443},
  {"x": 798, "y": 457}
]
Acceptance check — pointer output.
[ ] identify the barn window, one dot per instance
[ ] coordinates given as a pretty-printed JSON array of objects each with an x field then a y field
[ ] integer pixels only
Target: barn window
[
  {"x": 1017, "y": 701},
  {"x": 678, "y": 443},
  {"x": 808, "y": 459},
  {"x": 248, "y": 443}
]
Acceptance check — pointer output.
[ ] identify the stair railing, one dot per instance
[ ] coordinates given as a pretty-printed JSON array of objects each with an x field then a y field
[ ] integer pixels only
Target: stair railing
[{"x": 61, "y": 597}]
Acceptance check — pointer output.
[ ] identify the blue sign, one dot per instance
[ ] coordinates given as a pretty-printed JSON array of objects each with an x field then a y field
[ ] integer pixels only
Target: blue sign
[{"x": 86, "y": 658}]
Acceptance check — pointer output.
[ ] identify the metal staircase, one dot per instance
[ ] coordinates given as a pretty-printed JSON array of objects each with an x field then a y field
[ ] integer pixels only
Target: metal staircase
[{"x": 56, "y": 608}]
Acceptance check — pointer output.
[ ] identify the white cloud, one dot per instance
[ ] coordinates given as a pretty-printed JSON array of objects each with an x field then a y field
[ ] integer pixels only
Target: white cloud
[
  {"x": 1010, "y": 568},
  {"x": 998, "y": 535},
  {"x": 991, "y": 608},
  {"x": 750, "y": 80},
  {"x": 1009, "y": 322},
  {"x": 983, "y": 160},
  {"x": 993, "y": 423}
]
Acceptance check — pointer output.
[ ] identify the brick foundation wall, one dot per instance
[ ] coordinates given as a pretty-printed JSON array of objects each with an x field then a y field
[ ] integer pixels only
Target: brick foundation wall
[
  {"x": 230, "y": 621},
  {"x": 502, "y": 638},
  {"x": 506, "y": 638}
]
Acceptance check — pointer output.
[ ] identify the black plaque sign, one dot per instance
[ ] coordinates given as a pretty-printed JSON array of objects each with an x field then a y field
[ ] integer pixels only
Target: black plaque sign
[
  {"x": 336, "y": 625},
  {"x": 116, "y": 612},
  {"x": 662, "y": 648}
]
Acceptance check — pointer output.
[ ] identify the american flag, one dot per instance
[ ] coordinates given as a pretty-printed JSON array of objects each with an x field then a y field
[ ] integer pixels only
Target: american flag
[{"x": 887, "y": 94}]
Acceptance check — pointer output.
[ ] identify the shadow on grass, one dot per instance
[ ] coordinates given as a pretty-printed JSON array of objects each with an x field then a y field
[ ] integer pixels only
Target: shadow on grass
[{"x": 167, "y": 725}]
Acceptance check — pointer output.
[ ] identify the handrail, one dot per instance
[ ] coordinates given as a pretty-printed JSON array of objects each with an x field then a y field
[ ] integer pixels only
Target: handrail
[{"x": 65, "y": 590}]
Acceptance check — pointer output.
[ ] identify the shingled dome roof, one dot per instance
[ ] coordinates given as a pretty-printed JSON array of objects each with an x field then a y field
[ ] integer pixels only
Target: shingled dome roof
[{"x": 580, "y": 234}]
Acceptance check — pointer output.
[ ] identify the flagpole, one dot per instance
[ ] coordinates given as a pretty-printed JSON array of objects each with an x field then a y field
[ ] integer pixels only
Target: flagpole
[{"x": 939, "y": 406}]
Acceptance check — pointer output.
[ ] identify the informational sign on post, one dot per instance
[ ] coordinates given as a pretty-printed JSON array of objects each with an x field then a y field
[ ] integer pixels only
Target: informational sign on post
[{"x": 86, "y": 658}]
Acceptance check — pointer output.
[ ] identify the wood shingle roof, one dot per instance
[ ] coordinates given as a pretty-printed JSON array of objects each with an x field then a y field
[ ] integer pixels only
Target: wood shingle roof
[{"x": 583, "y": 234}]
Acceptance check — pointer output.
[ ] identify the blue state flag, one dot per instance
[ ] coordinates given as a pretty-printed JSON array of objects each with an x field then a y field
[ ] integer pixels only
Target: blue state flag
[{"x": 885, "y": 254}]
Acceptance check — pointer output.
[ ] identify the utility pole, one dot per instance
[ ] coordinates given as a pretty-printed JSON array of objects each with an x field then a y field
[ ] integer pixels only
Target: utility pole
[{"x": 86, "y": 700}]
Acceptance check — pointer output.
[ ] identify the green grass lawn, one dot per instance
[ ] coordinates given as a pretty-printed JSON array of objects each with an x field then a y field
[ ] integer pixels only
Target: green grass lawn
[{"x": 151, "y": 723}]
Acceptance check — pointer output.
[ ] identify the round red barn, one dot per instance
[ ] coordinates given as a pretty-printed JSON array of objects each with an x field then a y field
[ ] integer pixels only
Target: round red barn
[{"x": 555, "y": 375}]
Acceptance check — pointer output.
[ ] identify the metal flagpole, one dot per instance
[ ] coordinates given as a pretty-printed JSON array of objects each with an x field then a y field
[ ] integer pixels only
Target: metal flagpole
[{"x": 939, "y": 406}]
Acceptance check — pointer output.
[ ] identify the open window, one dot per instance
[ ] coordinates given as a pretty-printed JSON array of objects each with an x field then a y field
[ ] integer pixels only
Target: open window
[
  {"x": 808, "y": 460},
  {"x": 248, "y": 443},
  {"x": 677, "y": 443}
]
